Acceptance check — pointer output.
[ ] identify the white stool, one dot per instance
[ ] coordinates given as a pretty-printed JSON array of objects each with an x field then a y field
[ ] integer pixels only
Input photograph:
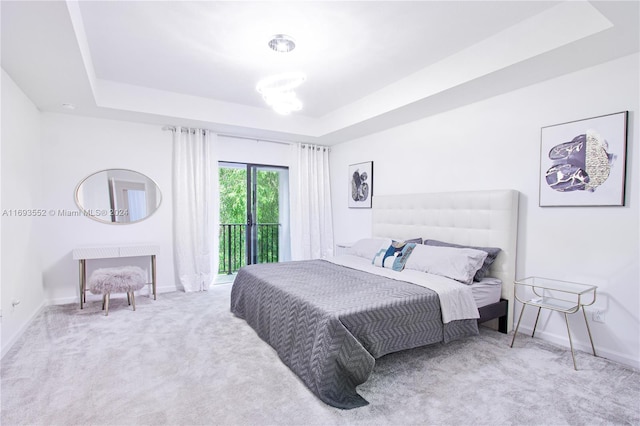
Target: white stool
[{"x": 125, "y": 279}]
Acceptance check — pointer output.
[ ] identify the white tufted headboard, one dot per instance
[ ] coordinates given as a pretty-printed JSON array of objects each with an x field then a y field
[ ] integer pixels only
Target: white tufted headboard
[{"x": 476, "y": 218}]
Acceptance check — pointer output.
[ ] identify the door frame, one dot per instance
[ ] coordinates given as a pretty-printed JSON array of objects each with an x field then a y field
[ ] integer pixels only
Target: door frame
[{"x": 251, "y": 232}]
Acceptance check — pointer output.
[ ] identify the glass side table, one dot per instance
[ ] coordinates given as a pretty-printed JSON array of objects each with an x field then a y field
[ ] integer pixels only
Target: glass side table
[{"x": 560, "y": 296}]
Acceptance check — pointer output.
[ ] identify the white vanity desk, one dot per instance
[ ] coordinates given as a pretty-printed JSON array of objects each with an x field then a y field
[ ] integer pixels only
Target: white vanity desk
[{"x": 82, "y": 254}]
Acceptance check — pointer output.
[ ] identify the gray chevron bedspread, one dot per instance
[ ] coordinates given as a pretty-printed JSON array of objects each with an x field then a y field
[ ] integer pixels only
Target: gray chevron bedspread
[{"x": 328, "y": 323}]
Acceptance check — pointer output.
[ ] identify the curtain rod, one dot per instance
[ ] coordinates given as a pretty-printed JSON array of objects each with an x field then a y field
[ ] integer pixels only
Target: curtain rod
[{"x": 226, "y": 135}]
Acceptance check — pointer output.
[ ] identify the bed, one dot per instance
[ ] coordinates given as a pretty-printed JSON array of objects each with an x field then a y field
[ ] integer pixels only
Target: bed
[{"x": 329, "y": 319}]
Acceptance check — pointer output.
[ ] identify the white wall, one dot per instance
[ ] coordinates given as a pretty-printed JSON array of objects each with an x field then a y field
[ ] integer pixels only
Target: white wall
[
  {"x": 76, "y": 147},
  {"x": 21, "y": 189},
  {"x": 495, "y": 144}
]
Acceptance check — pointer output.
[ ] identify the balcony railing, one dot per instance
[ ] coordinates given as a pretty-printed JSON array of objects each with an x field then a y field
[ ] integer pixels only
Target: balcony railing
[{"x": 233, "y": 248}]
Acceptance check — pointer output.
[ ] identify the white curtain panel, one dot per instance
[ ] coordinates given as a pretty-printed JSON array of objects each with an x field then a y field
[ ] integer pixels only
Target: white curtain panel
[
  {"x": 195, "y": 208},
  {"x": 310, "y": 190}
]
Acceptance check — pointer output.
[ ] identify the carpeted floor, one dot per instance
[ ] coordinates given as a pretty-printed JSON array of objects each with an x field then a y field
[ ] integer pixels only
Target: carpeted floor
[{"x": 184, "y": 359}]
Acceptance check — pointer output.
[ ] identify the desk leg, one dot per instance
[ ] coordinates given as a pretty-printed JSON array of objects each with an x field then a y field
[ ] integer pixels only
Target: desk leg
[
  {"x": 518, "y": 325},
  {"x": 83, "y": 282},
  {"x": 593, "y": 348},
  {"x": 153, "y": 275},
  {"x": 536, "y": 323},
  {"x": 566, "y": 319}
]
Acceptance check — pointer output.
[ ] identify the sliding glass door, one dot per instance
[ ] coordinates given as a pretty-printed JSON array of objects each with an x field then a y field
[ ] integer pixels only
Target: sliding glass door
[{"x": 254, "y": 215}]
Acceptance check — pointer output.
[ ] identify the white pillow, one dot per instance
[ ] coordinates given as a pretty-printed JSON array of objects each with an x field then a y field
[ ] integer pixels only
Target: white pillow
[
  {"x": 368, "y": 247},
  {"x": 459, "y": 264}
]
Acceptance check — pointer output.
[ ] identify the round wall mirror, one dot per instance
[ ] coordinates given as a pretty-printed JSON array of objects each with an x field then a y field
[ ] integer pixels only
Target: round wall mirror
[{"x": 118, "y": 196}]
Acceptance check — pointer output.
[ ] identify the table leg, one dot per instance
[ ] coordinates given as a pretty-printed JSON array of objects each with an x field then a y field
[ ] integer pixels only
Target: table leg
[
  {"x": 153, "y": 275},
  {"x": 566, "y": 319},
  {"x": 517, "y": 325},
  {"x": 536, "y": 323},
  {"x": 83, "y": 282},
  {"x": 593, "y": 348}
]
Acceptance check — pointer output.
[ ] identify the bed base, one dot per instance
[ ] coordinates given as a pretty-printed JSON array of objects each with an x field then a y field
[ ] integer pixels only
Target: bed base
[{"x": 499, "y": 311}]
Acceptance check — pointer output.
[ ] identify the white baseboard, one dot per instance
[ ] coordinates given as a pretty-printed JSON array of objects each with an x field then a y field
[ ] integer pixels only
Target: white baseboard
[
  {"x": 6, "y": 346},
  {"x": 563, "y": 340}
]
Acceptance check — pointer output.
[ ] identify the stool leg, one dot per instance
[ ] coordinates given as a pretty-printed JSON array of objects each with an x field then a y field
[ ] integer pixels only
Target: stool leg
[
  {"x": 133, "y": 300},
  {"x": 129, "y": 299},
  {"x": 104, "y": 299},
  {"x": 107, "y": 296}
]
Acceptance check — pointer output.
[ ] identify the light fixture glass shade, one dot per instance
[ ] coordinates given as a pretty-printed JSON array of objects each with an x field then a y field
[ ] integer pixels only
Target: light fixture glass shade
[
  {"x": 283, "y": 102},
  {"x": 282, "y": 43},
  {"x": 278, "y": 91}
]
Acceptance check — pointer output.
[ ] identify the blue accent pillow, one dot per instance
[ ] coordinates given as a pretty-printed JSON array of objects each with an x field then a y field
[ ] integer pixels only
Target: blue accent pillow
[{"x": 395, "y": 256}]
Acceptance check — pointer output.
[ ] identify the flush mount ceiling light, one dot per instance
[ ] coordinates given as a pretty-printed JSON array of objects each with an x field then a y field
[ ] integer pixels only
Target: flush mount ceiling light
[
  {"x": 278, "y": 93},
  {"x": 282, "y": 43}
]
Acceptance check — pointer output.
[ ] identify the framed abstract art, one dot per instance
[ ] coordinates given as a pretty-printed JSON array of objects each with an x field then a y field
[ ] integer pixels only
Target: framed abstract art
[
  {"x": 582, "y": 163},
  {"x": 360, "y": 185}
]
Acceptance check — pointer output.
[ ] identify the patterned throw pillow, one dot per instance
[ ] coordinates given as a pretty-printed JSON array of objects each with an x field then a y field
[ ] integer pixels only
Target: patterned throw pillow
[{"x": 395, "y": 256}]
